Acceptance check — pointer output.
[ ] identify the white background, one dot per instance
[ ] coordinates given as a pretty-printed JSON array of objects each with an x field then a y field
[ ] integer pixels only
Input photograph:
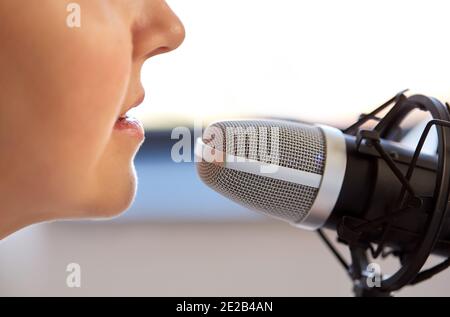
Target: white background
[{"x": 323, "y": 60}]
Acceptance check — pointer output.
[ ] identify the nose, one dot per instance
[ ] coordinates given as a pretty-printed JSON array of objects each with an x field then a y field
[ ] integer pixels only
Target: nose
[{"x": 156, "y": 30}]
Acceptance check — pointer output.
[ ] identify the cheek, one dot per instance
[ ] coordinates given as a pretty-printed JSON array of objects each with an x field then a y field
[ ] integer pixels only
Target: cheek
[
  {"x": 73, "y": 92},
  {"x": 88, "y": 102},
  {"x": 93, "y": 99}
]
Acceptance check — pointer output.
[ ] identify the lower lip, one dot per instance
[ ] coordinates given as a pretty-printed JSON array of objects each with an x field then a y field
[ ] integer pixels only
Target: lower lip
[{"x": 130, "y": 126}]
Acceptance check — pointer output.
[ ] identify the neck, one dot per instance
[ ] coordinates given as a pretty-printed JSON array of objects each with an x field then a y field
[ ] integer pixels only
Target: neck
[{"x": 15, "y": 218}]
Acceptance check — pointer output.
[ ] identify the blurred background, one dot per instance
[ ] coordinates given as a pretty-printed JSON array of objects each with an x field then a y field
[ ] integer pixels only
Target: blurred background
[{"x": 320, "y": 61}]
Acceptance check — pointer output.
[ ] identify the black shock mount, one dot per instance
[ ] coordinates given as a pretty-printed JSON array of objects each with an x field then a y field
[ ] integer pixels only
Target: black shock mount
[{"x": 352, "y": 231}]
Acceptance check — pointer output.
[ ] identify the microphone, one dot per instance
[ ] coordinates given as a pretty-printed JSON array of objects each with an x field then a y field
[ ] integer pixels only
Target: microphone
[
  {"x": 363, "y": 183},
  {"x": 318, "y": 177}
]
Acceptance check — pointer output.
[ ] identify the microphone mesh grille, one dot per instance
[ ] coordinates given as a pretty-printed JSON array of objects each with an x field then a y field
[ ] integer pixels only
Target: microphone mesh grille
[{"x": 301, "y": 147}]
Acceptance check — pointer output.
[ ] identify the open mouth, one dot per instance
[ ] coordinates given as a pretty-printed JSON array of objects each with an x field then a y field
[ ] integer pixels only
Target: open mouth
[{"x": 130, "y": 125}]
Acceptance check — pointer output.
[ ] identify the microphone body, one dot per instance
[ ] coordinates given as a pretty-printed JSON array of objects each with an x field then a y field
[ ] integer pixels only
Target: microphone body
[{"x": 370, "y": 189}]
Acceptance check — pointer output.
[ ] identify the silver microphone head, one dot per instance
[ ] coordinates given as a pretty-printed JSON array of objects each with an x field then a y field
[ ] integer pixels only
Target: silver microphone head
[{"x": 288, "y": 170}]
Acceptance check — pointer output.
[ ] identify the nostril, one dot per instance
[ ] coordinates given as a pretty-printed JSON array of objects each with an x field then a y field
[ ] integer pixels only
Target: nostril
[
  {"x": 162, "y": 50},
  {"x": 157, "y": 51}
]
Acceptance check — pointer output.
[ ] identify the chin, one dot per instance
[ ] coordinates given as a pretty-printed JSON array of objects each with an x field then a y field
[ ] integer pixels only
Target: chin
[{"x": 113, "y": 198}]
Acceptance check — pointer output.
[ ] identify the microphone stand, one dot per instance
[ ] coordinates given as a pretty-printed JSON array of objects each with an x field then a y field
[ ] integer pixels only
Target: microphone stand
[{"x": 351, "y": 231}]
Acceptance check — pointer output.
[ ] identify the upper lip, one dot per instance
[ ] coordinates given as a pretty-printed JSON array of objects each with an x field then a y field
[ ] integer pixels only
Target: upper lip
[{"x": 133, "y": 105}]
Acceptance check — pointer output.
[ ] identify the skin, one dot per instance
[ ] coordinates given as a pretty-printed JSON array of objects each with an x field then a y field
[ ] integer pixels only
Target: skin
[{"x": 62, "y": 91}]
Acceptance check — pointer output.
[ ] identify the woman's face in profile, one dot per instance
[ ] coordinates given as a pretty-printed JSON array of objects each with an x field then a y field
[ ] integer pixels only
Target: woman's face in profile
[{"x": 65, "y": 152}]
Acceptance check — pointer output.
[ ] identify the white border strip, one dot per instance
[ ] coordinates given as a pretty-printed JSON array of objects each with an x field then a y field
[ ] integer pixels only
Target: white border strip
[
  {"x": 259, "y": 168},
  {"x": 333, "y": 177}
]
